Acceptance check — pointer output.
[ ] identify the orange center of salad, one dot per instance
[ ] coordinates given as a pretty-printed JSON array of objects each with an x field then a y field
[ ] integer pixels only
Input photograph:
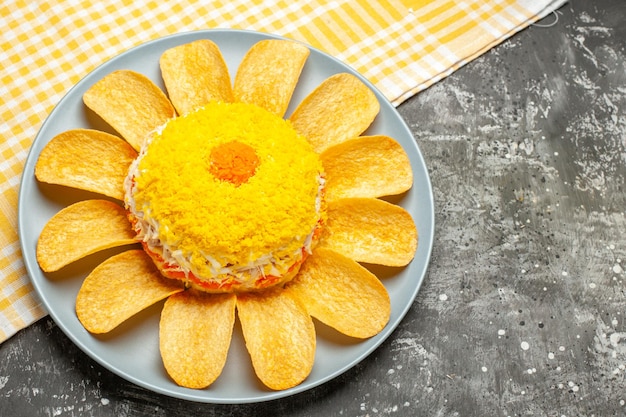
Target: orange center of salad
[{"x": 234, "y": 162}]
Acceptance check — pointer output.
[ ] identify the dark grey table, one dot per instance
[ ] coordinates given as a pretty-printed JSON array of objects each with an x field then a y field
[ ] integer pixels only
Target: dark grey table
[{"x": 523, "y": 311}]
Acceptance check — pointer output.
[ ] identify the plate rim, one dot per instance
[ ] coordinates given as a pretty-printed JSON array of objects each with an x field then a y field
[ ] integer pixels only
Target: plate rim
[{"x": 425, "y": 237}]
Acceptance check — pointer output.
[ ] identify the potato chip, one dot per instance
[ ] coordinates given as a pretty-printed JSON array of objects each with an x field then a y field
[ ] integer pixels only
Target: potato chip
[
  {"x": 342, "y": 294},
  {"x": 340, "y": 108},
  {"x": 88, "y": 160},
  {"x": 81, "y": 229},
  {"x": 371, "y": 231},
  {"x": 131, "y": 103},
  {"x": 194, "y": 74},
  {"x": 280, "y": 337},
  {"x": 268, "y": 74},
  {"x": 367, "y": 166},
  {"x": 119, "y": 288},
  {"x": 194, "y": 336}
]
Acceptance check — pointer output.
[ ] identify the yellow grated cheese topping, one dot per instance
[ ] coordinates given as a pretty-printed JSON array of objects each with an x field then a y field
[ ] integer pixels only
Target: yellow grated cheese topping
[{"x": 271, "y": 211}]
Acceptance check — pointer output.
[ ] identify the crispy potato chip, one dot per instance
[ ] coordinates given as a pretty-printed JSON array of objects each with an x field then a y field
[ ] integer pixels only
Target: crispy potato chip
[
  {"x": 371, "y": 231},
  {"x": 194, "y": 336},
  {"x": 340, "y": 108},
  {"x": 280, "y": 337},
  {"x": 268, "y": 74},
  {"x": 194, "y": 74},
  {"x": 88, "y": 160},
  {"x": 81, "y": 229},
  {"x": 119, "y": 288},
  {"x": 367, "y": 166},
  {"x": 342, "y": 294},
  {"x": 131, "y": 103}
]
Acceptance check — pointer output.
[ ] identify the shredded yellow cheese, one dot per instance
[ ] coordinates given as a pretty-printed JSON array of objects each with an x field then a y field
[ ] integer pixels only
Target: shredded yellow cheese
[{"x": 271, "y": 211}]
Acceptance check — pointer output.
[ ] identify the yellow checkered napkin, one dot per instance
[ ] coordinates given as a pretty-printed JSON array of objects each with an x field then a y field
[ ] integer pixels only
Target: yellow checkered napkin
[{"x": 47, "y": 46}]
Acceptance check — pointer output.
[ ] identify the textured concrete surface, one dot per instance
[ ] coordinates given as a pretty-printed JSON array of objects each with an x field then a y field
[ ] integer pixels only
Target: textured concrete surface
[{"x": 523, "y": 312}]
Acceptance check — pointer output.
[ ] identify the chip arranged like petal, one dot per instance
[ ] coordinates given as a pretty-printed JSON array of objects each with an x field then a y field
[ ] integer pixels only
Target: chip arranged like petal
[
  {"x": 340, "y": 108},
  {"x": 194, "y": 336},
  {"x": 119, "y": 288},
  {"x": 268, "y": 74},
  {"x": 371, "y": 231},
  {"x": 81, "y": 229},
  {"x": 131, "y": 103},
  {"x": 367, "y": 166},
  {"x": 195, "y": 74},
  {"x": 88, "y": 160},
  {"x": 342, "y": 294},
  {"x": 280, "y": 337}
]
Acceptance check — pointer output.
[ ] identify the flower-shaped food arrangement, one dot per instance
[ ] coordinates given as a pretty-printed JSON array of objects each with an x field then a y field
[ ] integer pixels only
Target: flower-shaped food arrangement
[{"x": 225, "y": 208}]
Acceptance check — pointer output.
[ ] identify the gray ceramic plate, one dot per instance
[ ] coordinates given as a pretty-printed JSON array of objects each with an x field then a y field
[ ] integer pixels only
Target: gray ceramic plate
[{"x": 131, "y": 351}]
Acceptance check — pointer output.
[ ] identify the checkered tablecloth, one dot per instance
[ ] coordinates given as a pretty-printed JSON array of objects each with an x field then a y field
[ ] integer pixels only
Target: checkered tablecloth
[{"x": 402, "y": 46}]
